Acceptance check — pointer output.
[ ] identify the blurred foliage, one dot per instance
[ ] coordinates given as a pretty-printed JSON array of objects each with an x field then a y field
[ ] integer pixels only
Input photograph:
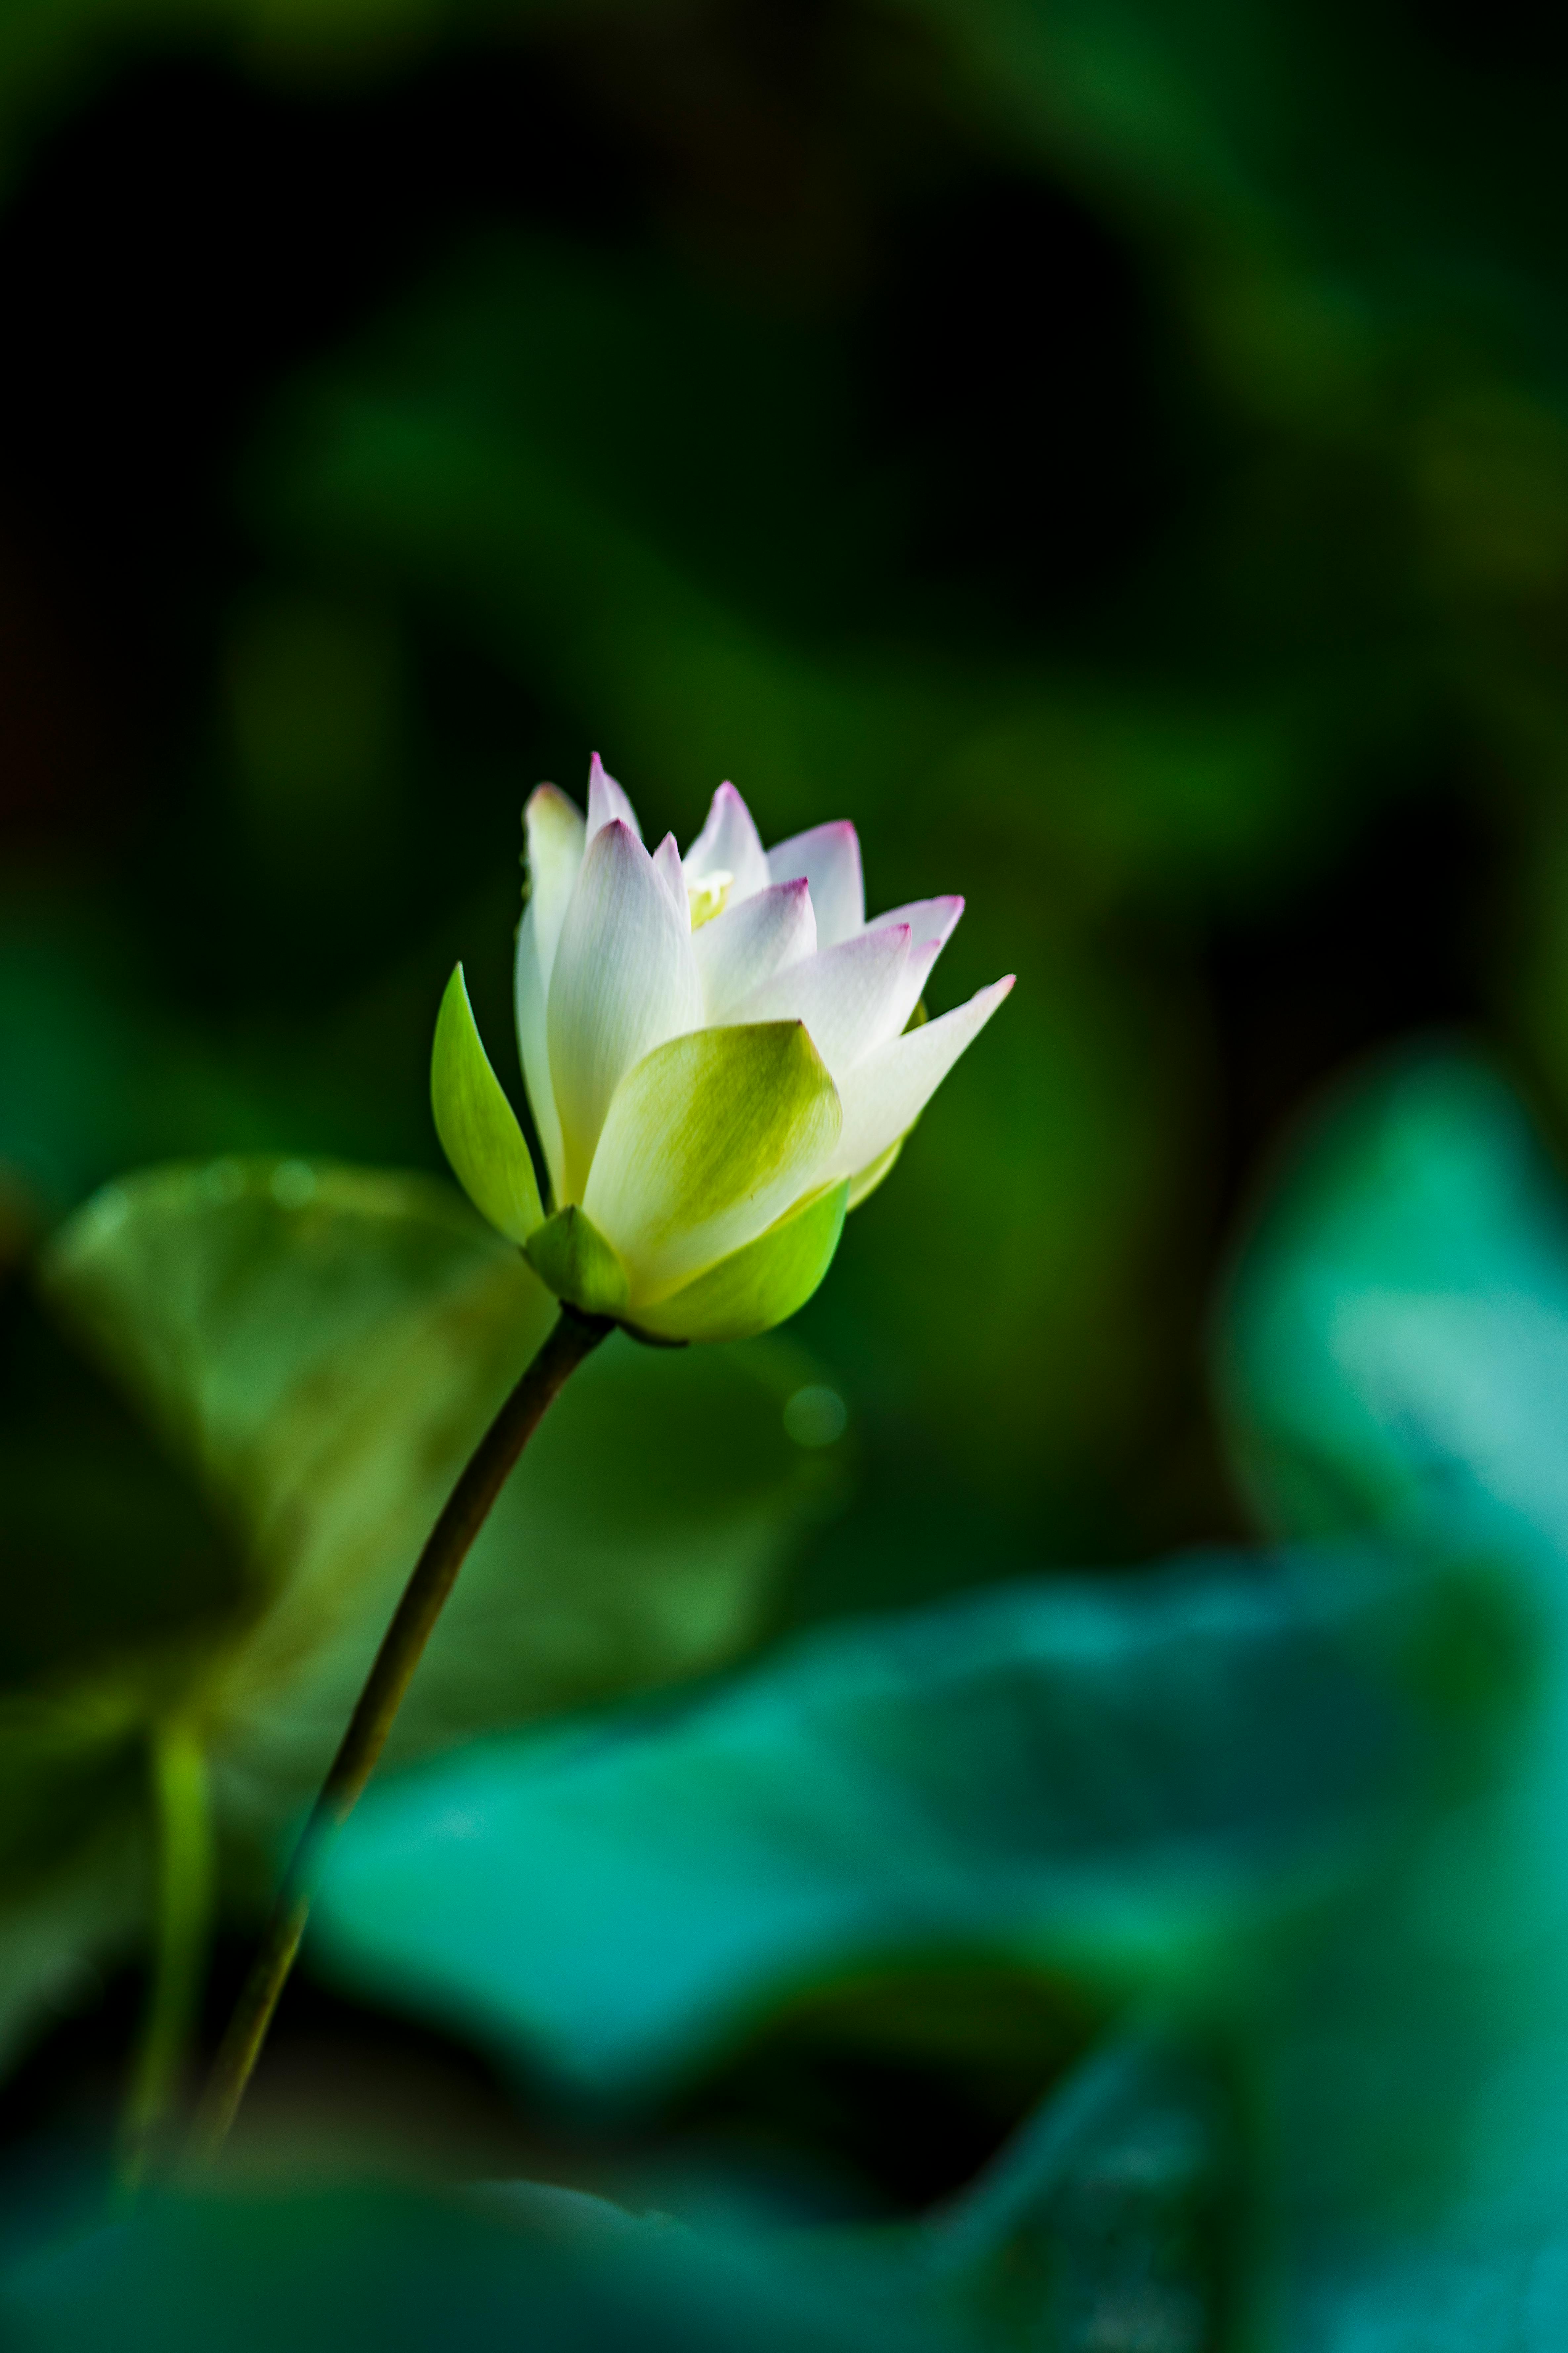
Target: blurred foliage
[
  {"x": 310, "y": 1355},
  {"x": 1096, "y": 2226},
  {"x": 1117, "y": 453},
  {"x": 1308, "y": 1810},
  {"x": 1087, "y": 436},
  {"x": 1038, "y": 1780}
]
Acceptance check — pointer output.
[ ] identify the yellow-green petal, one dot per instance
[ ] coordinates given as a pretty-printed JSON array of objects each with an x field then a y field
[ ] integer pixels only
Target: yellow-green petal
[
  {"x": 709, "y": 1139},
  {"x": 477, "y": 1126},
  {"x": 761, "y": 1285},
  {"x": 570, "y": 1253}
]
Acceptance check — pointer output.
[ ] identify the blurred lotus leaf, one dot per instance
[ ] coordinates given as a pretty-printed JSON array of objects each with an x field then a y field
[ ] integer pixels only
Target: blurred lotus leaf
[
  {"x": 1100, "y": 2225},
  {"x": 1351, "y": 1766},
  {"x": 324, "y": 1347},
  {"x": 309, "y": 1355},
  {"x": 1115, "y": 1787},
  {"x": 1396, "y": 1346},
  {"x": 556, "y": 2271},
  {"x": 1394, "y": 1356},
  {"x": 114, "y": 1562}
]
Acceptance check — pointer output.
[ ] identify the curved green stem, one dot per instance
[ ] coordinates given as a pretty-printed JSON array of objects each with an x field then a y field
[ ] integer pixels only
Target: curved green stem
[
  {"x": 435, "y": 1573},
  {"x": 182, "y": 1927}
]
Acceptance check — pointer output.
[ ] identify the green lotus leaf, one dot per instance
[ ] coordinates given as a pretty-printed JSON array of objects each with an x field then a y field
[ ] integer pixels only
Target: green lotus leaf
[
  {"x": 322, "y": 1348},
  {"x": 1051, "y": 1782}
]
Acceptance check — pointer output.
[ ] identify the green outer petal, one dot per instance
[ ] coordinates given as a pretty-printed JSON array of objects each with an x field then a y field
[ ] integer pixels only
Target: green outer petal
[
  {"x": 477, "y": 1126},
  {"x": 570, "y": 1253},
  {"x": 758, "y": 1286},
  {"x": 707, "y": 1141},
  {"x": 865, "y": 1181}
]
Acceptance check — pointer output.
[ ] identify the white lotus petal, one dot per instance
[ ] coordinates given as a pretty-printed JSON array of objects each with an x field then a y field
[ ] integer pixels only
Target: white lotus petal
[
  {"x": 531, "y": 993},
  {"x": 911, "y": 992},
  {"x": 729, "y": 844},
  {"x": 747, "y": 945},
  {"x": 625, "y": 979},
  {"x": 555, "y": 837},
  {"x": 928, "y": 919},
  {"x": 607, "y": 805},
  {"x": 931, "y": 923},
  {"x": 829, "y": 859},
  {"x": 666, "y": 866},
  {"x": 888, "y": 1091},
  {"x": 844, "y": 996}
]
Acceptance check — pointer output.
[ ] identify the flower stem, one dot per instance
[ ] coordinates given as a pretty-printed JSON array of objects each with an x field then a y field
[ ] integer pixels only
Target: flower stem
[
  {"x": 182, "y": 1923},
  {"x": 435, "y": 1572}
]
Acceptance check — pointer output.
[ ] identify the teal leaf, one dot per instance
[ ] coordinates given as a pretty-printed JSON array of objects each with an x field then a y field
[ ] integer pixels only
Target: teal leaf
[
  {"x": 1120, "y": 2199},
  {"x": 477, "y": 1126},
  {"x": 1394, "y": 1346},
  {"x": 1393, "y": 1357},
  {"x": 519, "y": 2264},
  {"x": 1109, "y": 1785},
  {"x": 1108, "y": 2205}
]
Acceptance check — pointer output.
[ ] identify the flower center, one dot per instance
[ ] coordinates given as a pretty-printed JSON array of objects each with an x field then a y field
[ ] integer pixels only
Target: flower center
[{"x": 708, "y": 897}]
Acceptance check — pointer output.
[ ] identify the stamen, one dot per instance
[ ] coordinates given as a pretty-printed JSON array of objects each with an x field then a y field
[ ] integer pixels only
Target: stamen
[{"x": 708, "y": 897}]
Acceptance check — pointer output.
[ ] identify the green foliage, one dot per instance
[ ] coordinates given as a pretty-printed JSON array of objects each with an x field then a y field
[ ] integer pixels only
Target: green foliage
[
  {"x": 717, "y": 471},
  {"x": 1103, "y": 2213},
  {"x": 1045, "y": 1776},
  {"x": 1312, "y": 1808},
  {"x": 1396, "y": 1341},
  {"x": 309, "y": 1355},
  {"x": 1396, "y": 1348}
]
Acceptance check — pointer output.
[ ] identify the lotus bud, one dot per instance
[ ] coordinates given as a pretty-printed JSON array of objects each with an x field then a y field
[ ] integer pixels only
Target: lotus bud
[{"x": 721, "y": 1054}]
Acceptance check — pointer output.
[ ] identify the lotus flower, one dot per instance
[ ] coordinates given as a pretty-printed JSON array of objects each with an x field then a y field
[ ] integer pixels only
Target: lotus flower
[{"x": 721, "y": 1057}]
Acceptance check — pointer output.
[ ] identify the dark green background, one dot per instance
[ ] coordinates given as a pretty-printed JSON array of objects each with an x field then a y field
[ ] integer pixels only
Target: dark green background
[
  {"x": 1118, "y": 454},
  {"x": 1116, "y": 450}
]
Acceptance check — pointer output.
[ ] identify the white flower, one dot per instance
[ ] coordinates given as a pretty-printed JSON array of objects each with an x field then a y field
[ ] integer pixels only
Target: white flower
[{"x": 718, "y": 1057}]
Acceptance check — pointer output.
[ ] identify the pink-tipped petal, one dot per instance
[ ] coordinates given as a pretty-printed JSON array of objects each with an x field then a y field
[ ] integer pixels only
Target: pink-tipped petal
[
  {"x": 729, "y": 844},
  {"x": 909, "y": 990},
  {"x": 607, "y": 805},
  {"x": 746, "y": 945},
  {"x": 844, "y": 996},
  {"x": 625, "y": 980},
  {"x": 931, "y": 923},
  {"x": 928, "y": 919},
  {"x": 828, "y": 857},
  {"x": 886, "y": 1092},
  {"x": 666, "y": 866},
  {"x": 555, "y": 837}
]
